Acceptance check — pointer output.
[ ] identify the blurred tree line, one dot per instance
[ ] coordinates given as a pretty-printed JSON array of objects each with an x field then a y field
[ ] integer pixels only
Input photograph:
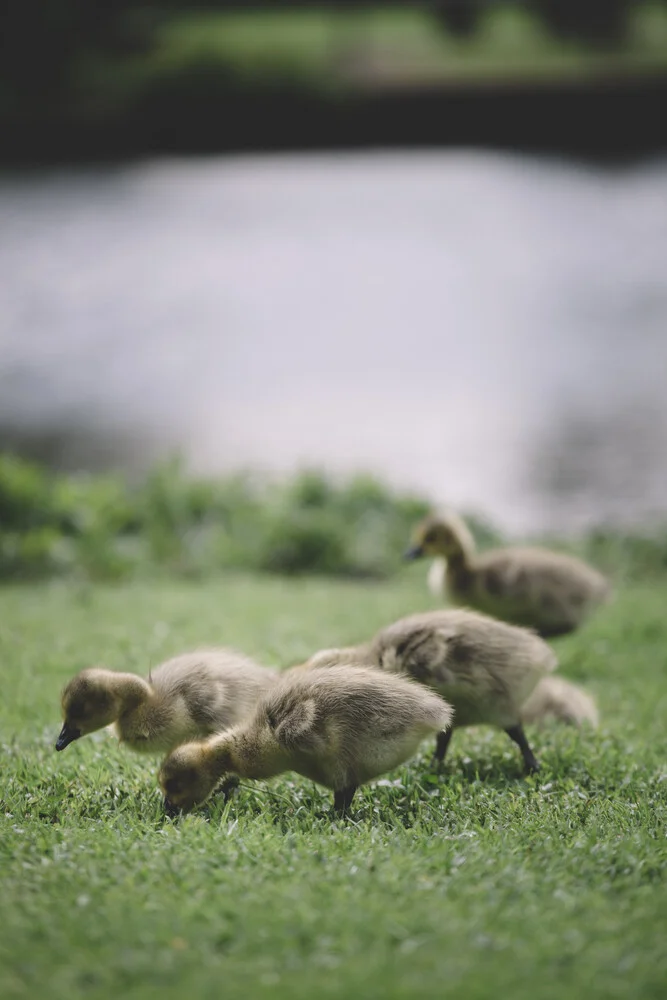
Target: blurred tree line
[
  {"x": 42, "y": 43},
  {"x": 592, "y": 21}
]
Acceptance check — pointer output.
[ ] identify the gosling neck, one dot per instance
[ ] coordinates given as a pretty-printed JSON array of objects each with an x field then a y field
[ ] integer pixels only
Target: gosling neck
[
  {"x": 248, "y": 754},
  {"x": 220, "y": 757},
  {"x": 460, "y": 554},
  {"x": 459, "y": 563}
]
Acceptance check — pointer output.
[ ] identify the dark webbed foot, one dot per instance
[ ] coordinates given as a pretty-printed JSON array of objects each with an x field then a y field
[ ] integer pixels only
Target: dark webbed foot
[{"x": 517, "y": 735}]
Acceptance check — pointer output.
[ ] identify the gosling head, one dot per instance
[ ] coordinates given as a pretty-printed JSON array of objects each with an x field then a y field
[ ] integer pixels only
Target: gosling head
[
  {"x": 444, "y": 535},
  {"x": 88, "y": 704},
  {"x": 186, "y": 778}
]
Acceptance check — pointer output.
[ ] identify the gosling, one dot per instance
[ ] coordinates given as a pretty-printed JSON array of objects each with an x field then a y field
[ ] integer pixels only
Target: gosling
[
  {"x": 190, "y": 696},
  {"x": 486, "y": 669},
  {"x": 340, "y": 727},
  {"x": 555, "y": 699},
  {"x": 548, "y": 591}
]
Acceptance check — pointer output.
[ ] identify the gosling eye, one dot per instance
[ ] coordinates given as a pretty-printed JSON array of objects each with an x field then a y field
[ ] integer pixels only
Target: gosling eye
[{"x": 430, "y": 538}]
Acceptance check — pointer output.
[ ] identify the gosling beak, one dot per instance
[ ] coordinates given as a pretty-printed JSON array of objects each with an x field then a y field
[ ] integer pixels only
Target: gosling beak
[
  {"x": 170, "y": 809},
  {"x": 415, "y": 552},
  {"x": 67, "y": 735}
]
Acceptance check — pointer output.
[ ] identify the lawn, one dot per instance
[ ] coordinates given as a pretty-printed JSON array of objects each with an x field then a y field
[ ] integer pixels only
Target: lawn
[{"x": 475, "y": 883}]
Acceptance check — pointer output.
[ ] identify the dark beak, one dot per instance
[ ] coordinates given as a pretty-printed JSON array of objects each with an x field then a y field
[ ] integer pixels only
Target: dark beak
[
  {"x": 67, "y": 735},
  {"x": 170, "y": 809},
  {"x": 416, "y": 552}
]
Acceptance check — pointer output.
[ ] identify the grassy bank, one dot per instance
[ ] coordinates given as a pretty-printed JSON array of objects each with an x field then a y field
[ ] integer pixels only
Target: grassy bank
[
  {"x": 92, "y": 528},
  {"x": 474, "y": 884},
  {"x": 101, "y": 527}
]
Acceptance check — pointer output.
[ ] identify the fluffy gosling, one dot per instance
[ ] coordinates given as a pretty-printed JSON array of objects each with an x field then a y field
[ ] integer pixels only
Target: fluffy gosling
[
  {"x": 561, "y": 701},
  {"x": 484, "y": 668},
  {"x": 340, "y": 727},
  {"x": 192, "y": 695},
  {"x": 548, "y": 591}
]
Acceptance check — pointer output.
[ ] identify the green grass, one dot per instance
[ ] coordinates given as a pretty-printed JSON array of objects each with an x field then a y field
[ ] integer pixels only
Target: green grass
[{"x": 478, "y": 883}]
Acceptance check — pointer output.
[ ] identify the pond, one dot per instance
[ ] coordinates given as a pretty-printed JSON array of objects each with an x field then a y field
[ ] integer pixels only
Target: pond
[{"x": 490, "y": 329}]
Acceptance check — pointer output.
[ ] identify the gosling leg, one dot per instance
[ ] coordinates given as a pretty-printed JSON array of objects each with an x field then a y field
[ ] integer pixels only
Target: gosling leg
[
  {"x": 517, "y": 735},
  {"x": 343, "y": 799},
  {"x": 228, "y": 786},
  {"x": 441, "y": 744}
]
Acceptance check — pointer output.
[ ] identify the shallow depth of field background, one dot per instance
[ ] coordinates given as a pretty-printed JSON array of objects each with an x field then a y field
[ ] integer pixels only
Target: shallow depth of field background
[{"x": 272, "y": 283}]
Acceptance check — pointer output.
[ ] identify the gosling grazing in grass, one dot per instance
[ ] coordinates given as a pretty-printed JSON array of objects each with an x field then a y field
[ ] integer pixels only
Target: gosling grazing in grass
[
  {"x": 553, "y": 699},
  {"x": 192, "y": 695},
  {"x": 340, "y": 727},
  {"x": 548, "y": 591},
  {"x": 561, "y": 701},
  {"x": 484, "y": 668}
]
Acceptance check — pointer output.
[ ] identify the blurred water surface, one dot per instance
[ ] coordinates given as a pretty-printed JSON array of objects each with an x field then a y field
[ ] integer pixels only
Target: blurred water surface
[{"x": 490, "y": 329}]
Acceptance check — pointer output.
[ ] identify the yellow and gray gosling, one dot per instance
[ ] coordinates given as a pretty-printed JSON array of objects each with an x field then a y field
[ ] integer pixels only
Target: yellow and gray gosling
[
  {"x": 189, "y": 696},
  {"x": 548, "y": 591},
  {"x": 555, "y": 699},
  {"x": 484, "y": 668},
  {"x": 340, "y": 727}
]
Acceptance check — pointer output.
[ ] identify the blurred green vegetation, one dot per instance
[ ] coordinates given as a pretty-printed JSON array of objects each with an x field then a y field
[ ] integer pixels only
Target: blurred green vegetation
[
  {"x": 331, "y": 47},
  {"x": 124, "y": 57},
  {"x": 101, "y": 528}
]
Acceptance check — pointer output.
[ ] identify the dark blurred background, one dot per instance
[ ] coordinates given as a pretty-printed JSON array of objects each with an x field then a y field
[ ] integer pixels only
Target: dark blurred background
[
  {"x": 427, "y": 241},
  {"x": 82, "y": 80}
]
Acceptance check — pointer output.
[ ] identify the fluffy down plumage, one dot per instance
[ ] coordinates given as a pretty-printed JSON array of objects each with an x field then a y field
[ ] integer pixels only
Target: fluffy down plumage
[
  {"x": 189, "y": 696},
  {"x": 338, "y": 726},
  {"x": 548, "y": 591},
  {"x": 486, "y": 669}
]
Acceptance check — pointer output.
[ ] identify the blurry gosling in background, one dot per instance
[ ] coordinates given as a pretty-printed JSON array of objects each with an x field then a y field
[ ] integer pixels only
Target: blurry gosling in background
[
  {"x": 340, "y": 727},
  {"x": 484, "y": 668},
  {"x": 192, "y": 695},
  {"x": 548, "y": 591}
]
